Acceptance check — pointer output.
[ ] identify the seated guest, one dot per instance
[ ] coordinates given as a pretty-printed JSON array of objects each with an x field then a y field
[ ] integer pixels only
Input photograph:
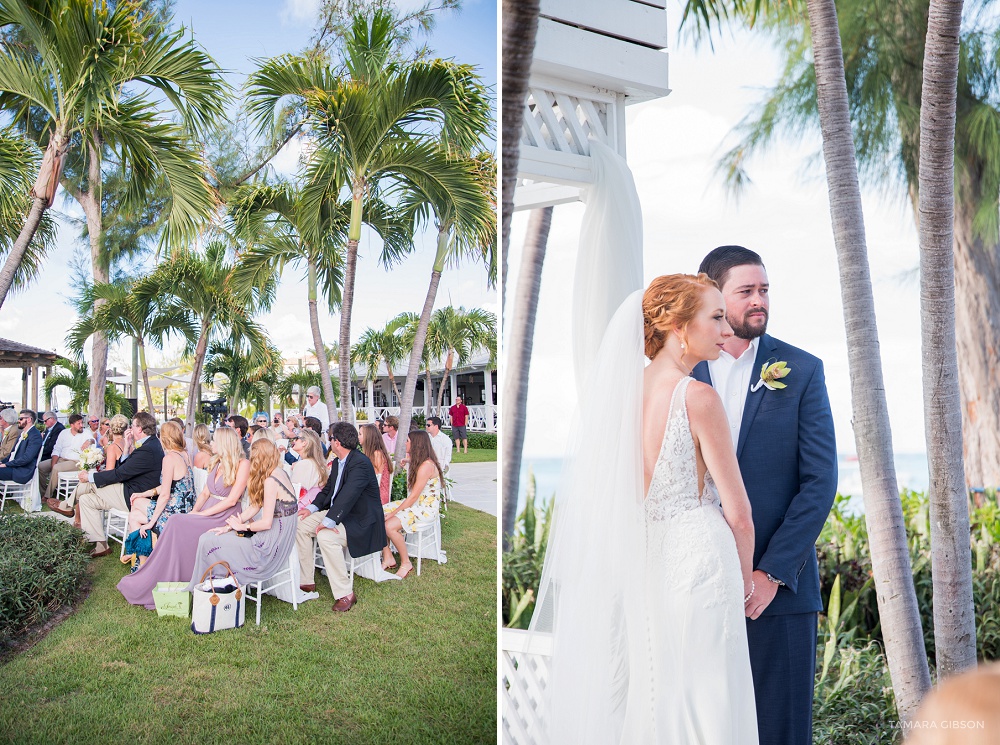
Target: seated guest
[
  {"x": 268, "y": 524},
  {"x": 53, "y": 428},
  {"x": 423, "y": 482},
  {"x": 19, "y": 466},
  {"x": 310, "y": 469},
  {"x": 113, "y": 488},
  {"x": 8, "y": 420},
  {"x": 175, "y": 494},
  {"x": 105, "y": 436},
  {"x": 389, "y": 434},
  {"x": 254, "y": 429},
  {"x": 113, "y": 452},
  {"x": 346, "y": 512},
  {"x": 173, "y": 556},
  {"x": 440, "y": 441},
  {"x": 260, "y": 419},
  {"x": 316, "y": 426},
  {"x": 189, "y": 443},
  {"x": 203, "y": 443},
  {"x": 263, "y": 434},
  {"x": 240, "y": 424},
  {"x": 66, "y": 453},
  {"x": 94, "y": 429},
  {"x": 373, "y": 446},
  {"x": 279, "y": 425}
]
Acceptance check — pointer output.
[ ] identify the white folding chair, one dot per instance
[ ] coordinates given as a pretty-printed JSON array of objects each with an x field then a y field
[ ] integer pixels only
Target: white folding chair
[
  {"x": 200, "y": 479},
  {"x": 68, "y": 481},
  {"x": 271, "y": 583},
  {"x": 20, "y": 493},
  {"x": 116, "y": 527},
  {"x": 352, "y": 564},
  {"x": 426, "y": 540}
]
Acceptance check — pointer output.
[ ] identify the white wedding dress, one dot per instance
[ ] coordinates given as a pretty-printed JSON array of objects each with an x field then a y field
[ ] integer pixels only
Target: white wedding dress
[{"x": 696, "y": 685}]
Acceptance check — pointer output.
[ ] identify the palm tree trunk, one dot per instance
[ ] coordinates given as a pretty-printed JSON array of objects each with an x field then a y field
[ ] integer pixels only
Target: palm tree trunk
[
  {"x": 43, "y": 193},
  {"x": 145, "y": 374},
  {"x": 193, "y": 392},
  {"x": 897, "y": 600},
  {"x": 90, "y": 201},
  {"x": 324, "y": 363},
  {"x": 346, "y": 304},
  {"x": 519, "y": 362},
  {"x": 520, "y": 22},
  {"x": 392, "y": 379},
  {"x": 951, "y": 559},
  {"x": 448, "y": 362},
  {"x": 413, "y": 370}
]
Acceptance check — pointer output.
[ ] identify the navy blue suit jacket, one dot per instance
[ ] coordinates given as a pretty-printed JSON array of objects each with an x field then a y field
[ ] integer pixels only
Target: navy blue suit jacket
[
  {"x": 49, "y": 439},
  {"x": 788, "y": 459},
  {"x": 21, "y": 464},
  {"x": 356, "y": 505}
]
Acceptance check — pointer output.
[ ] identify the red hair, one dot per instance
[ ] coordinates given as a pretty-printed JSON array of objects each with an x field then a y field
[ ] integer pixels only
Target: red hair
[{"x": 671, "y": 301}]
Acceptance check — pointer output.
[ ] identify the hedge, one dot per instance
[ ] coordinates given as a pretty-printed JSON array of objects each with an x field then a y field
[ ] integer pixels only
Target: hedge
[
  {"x": 42, "y": 565},
  {"x": 478, "y": 440}
]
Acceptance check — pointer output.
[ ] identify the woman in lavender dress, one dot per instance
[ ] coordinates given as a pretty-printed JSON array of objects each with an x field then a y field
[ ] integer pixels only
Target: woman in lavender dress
[
  {"x": 173, "y": 556},
  {"x": 271, "y": 519}
]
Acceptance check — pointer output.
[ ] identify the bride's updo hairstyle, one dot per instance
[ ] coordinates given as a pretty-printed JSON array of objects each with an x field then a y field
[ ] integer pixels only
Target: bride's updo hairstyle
[{"x": 671, "y": 301}]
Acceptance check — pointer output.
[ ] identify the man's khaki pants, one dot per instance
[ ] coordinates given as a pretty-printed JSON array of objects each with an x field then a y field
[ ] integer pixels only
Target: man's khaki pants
[
  {"x": 331, "y": 546},
  {"x": 61, "y": 467},
  {"x": 93, "y": 502}
]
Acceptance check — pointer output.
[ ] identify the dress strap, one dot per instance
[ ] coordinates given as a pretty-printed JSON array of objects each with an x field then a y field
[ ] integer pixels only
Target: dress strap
[
  {"x": 680, "y": 388},
  {"x": 278, "y": 482}
]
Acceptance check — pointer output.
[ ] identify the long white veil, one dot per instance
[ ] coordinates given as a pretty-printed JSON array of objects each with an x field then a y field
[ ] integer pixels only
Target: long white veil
[{"x": 590, "y": 596}]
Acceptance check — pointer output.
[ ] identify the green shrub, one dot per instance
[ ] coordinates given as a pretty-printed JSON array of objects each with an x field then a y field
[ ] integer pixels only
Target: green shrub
[
  {"x": 522, "y": 565},
  {"x": 398, "y": 490},
  {"x": 478, "y": 440},
  {"x": 42, "y": 564}
]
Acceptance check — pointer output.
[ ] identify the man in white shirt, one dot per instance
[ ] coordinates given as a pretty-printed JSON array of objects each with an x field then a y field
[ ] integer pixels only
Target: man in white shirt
[
  {"x": 315, "y": 407},
  {"x": 66, "y": 453},
  {"x": 440, "y": 442}
]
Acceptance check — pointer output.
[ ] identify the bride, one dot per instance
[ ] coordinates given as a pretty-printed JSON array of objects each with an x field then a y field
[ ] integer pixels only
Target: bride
[{"x": 649, "y": 566}]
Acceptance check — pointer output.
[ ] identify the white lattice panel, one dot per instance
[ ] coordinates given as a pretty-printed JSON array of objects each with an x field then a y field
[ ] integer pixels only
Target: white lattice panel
[
  {"x": 525, "y": 677},
  {"x": 563, "y": 122}
]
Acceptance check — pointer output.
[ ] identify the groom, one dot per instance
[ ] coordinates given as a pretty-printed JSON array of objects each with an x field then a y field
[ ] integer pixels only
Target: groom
[{"x": 782, "y": 430}]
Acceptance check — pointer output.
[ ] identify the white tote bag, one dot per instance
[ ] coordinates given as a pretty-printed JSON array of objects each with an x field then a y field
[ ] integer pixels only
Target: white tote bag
[{"x": 217, "y": 602}]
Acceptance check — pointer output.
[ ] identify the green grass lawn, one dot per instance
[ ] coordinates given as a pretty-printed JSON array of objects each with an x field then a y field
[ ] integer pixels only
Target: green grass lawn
[
  {"x": 473, "y": 456},
  {"x": 413, "y": 661}
]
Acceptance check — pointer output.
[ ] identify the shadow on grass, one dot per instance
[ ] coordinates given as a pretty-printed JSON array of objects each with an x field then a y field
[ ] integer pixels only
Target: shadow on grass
[{"x": 414, "y": 660}]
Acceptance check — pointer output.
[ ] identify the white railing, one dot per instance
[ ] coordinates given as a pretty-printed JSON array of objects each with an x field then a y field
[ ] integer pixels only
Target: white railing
[
  {"x": 525, "y": 676},
  {"x": 479, "y": 416}
]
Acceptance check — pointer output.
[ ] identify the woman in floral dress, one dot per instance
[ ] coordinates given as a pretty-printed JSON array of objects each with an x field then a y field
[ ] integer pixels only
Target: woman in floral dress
[{"x": 423, "y": 483}]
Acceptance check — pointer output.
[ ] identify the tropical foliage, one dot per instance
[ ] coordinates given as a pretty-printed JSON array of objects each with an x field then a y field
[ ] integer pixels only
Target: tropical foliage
[{"x": 75, "y": 375}]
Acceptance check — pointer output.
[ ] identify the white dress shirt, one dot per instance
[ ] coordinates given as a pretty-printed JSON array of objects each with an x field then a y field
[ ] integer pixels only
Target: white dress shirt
[
  {"x": 731, "y": 377},
  {"x": 319, "y": 411},
  {"x": 69, "y": 445},
  {"x": 442, "y": 449}
]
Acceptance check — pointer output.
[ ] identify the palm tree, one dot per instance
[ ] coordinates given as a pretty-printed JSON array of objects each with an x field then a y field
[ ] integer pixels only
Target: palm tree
[
  {"x": 273, "y": 222},
  {"x": 296, "y": 384},
  {"x": 19, "y": 159},
  {"x": 125, "y": 313},
  {"x": 387, "y": 345},
  {"x": 72, "y": 84},
  {"x": 75, "y": 375},
  {"x": 243, "y": 371},
  {"x": 518, "y": 362},
  {"x": 463, "y": 333},
  {"x": 520, "y": 22},
  {"x": 203, "y": 282},
  {"x": 379, "y": 129},
  {"x": 459, "y": 236},
  {"x": 951, "y": 567}
]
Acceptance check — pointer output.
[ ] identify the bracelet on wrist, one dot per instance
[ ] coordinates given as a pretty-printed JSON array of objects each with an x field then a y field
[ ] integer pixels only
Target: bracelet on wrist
[{"x": 753, "y": 587}]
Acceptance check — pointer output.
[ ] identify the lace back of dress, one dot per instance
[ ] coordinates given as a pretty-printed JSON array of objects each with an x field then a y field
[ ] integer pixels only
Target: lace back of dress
[{"x": 674, "y": 487}]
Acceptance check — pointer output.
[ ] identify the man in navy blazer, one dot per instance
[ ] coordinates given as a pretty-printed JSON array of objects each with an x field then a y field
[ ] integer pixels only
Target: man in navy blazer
[
  {"x": 782, "y": 430},
  {"x": 346, "y": 512},
  {"x": 20, "y": 465},
  {"x": 113, "y": 489}
]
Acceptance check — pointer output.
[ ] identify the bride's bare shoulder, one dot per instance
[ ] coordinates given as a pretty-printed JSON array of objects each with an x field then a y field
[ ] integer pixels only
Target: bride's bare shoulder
[{"x": 702, "y": 400}]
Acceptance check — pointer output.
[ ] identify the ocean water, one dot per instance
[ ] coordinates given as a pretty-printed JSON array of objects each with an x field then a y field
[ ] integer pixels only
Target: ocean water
[{"x": 911, "y": 473}]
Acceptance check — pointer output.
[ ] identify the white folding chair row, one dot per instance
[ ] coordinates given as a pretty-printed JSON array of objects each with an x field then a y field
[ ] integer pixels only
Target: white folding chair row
[
  {"x": 116, "y": 527},
  {"x": 29, "y": 496},
  {"x": 273, "y": 582},
  {"x": 68, "y": 481},
  {"x": 200, "y": 479},
  {"x": 426, "y": 540}
]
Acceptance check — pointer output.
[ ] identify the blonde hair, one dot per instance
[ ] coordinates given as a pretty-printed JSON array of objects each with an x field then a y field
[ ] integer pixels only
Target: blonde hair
[
  {"x": 118, "y": 424},
  {"x": 172, "y": 436},
  {"x": 264, "y": 433},
  {"x": 671, "y": 301},
  {"x": 202, "y": 438},
  {"x": 314, "y": 451},
  {"x": 228, "y": 454},
  {"x": 264, "y": 458}
]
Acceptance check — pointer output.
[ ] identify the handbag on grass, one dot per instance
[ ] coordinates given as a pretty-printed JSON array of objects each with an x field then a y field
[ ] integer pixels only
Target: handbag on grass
[{"x": 217, "y": 602}]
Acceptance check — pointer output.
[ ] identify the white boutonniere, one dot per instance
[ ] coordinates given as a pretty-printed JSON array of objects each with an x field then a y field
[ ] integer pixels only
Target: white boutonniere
[
  {"x": 770, "y": 376},
  {"x": 24, "y": 435}
]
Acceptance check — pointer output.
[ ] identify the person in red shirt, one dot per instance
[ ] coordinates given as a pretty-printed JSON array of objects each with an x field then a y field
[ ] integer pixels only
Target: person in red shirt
[{"x": 459, "y": 413}]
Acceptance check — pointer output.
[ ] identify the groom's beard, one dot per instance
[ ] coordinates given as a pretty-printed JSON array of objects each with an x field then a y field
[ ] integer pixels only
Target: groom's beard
[{"x": 747, "y": 328}]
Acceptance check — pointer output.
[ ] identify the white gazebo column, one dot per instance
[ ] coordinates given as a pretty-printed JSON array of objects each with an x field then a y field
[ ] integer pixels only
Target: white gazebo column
[
  {"x": 371, "y": 400},
  {"x": 453, "y": 382},
  {"x": 488, "y": 387}
]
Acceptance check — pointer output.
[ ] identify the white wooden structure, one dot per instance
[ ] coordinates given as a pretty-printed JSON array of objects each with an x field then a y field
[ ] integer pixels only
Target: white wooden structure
[{"x": 592, "y": 58}]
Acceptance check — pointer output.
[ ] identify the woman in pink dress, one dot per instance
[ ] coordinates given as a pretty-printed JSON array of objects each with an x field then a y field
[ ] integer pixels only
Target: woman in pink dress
[
  {"x": 173, "y": 556},
  {"x": 373, "y": 446}
]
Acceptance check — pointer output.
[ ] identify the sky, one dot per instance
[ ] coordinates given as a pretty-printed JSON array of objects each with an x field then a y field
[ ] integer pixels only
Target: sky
[
  {"x": 673, "y": 144},
  {"x": 234, "y": 33}
]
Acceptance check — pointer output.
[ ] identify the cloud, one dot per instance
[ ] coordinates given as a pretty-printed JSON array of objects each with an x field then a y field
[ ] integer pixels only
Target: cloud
[{"x": 296, "y": 11}]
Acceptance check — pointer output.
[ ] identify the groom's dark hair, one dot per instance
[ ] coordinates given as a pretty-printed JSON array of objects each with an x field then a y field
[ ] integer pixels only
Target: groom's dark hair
[{"x": 721, "y": 260}]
